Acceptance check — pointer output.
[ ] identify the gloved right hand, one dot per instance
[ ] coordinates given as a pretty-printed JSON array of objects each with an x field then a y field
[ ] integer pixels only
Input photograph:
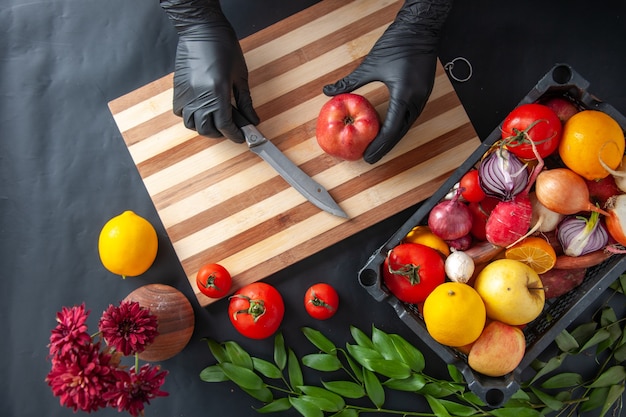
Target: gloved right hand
[{"x": 210, "y": 69}]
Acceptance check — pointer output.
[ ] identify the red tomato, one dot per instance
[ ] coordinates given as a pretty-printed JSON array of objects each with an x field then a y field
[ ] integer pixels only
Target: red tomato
[
  {"x": 472, "y": 190},
  {"x": 256, "y": 310},
  {"x": 321, "y": 301},
  {"x": 411, "y": 271},
  {"x": 213, "y": 280},
  {"x": 534, "y": 122}
]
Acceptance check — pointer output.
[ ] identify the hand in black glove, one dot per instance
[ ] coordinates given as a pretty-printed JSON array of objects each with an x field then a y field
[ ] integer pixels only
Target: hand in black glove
[
  {"x": 404, "y": 59},
  {"x": 210, "y": 69}
]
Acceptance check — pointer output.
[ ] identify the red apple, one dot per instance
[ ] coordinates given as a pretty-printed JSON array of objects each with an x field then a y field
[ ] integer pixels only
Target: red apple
[
  {"x": 563, "y": 107},
  {"x": 346, "y": 125},
  {"x": 498, "y": 350}
]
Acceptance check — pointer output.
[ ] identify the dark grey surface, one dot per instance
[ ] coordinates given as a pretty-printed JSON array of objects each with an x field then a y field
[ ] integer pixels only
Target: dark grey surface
[{"x": 65, "y": 170}]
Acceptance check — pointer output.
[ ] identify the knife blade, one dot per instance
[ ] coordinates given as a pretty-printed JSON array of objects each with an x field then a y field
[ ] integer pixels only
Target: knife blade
[{"x": 298, "y": 179}]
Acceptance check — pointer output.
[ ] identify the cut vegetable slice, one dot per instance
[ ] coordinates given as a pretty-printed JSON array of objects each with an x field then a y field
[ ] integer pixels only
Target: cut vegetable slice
[{"x": 534, "y": 252}]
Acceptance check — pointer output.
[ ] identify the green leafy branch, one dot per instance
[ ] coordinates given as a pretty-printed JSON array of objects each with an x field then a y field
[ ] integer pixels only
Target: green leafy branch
[{"x": 372, "y": 365}]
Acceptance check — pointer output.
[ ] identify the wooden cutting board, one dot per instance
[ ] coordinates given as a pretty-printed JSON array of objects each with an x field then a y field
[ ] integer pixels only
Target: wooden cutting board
[{"x": 220, "y": 203}]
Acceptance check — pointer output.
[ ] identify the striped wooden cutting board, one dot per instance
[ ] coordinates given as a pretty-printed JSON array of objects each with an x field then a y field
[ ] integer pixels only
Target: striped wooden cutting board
[{"x": 222, "y": 204}]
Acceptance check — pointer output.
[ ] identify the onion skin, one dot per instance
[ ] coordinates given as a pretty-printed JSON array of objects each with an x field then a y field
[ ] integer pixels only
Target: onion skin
[
  {"x": 563, "y": 191},
  {"x": 616, "y": 220},
  {"x": 544, "y": 219},
  {"x": 450, "y": 219},
  {"x": 502, "y": 175}
]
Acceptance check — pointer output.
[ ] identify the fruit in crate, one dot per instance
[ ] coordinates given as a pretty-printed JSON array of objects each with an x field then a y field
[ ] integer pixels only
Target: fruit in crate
[
  {"x": 511, "y": 290},
  {"x": 498, "y": 350}
]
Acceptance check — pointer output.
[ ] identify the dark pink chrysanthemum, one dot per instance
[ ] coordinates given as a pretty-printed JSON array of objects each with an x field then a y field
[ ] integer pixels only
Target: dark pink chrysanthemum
[
  {"x": 71, "y": 330},
  {"x": 134, "y": 390},
  {"x": 128, "y": 328},
  {"x": 81, "y": 377}
]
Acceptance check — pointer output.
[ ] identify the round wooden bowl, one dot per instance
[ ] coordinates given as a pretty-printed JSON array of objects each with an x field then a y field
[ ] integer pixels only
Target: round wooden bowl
[{"x": 175, "y": 320}]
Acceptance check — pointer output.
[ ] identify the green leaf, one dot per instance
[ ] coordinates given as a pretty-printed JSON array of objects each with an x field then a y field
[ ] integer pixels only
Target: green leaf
[
  {"x": 306, "y": 408},
  {"x": 566, "y": 379},
  {"x": 347, "y": 389},
  {"x": 241, "y": 376},
  {"x": 458, "y": 410},
  {"x": 388, "y": 368},
  {"x": 438, "y": 408},
  {"x": 322, "y": 362},
  {"x": 321, "y": 403},
  {"x": 293, "y": 369},
  {"x": 357, "y": 370},
  {"x": 362, "y": 354},
  {"x": 584, "y": 332},
  {"x": 551, "y": 402},
  {"x": 547, "y": 367},
  {"x": 346, "y": 412},
  {"x": 566, "y": 342},
  {"x": 280, "y": 353},
  {"x": 595, "y": 399},
  {"x": 599, "y": 336},
  {"x": 217, "y": 351},
  {"x": 319, "y": 340},
  {"x": 313, "y": 391},
  {"x": 455, "y": 374},
  {"x": 237, "y": 355},
  {"x": 266, "y": 368},
  {"x": 384, "y": 345},
  {"x": 472, "y": 398},
  {"x": 213, "y": 373},
  {"x": 374, "y": 388},
  {"x": 615, "y": 393},
  {"x": 262, "y": 394},
  {"x": 620, "y": 353},
  {"x": 613, "y": 375},
  {"x": 437, "y": 390},
  {"x": 413, "y": 383},
  {"x": 516, "y": 412},
  {"x": 607, "y": 317},
  {"x": 361, "y": 338},
  {"x": 281, "y": 404},
  {"x": 408, "y": 353}
]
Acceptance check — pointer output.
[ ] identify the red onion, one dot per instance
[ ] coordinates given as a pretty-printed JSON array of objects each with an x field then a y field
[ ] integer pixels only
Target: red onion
[
  {"x": 502, "y": 174},
  {"x": 462, "y": 243},
  {"x": 579, "y": 235},
  {"x": 450, "y": 219}
]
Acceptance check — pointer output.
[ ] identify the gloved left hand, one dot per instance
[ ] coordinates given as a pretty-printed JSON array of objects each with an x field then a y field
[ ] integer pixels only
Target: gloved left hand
[{"x": 210, "y": 69}]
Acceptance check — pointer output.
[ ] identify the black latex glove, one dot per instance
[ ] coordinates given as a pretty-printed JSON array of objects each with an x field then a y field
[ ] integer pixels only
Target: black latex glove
[
  {"x": 404, "y": 58},
  {"x": 210, "y": 69}
]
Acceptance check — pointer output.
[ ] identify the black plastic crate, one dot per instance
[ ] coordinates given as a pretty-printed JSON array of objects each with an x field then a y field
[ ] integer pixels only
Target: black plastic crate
[{"x": 558, "y": 313}]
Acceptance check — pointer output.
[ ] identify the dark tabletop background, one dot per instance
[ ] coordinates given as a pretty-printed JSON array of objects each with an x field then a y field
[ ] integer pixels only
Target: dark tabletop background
[{"x": 65, "y": 171}]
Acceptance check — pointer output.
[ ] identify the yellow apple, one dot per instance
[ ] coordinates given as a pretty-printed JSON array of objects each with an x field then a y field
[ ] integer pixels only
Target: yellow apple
[
  {"x": 511, "y": 290},
  {"x": 498, "y": 350}
]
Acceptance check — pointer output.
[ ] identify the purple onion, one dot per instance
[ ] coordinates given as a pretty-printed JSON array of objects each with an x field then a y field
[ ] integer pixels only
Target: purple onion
[
  {"x": 502, "y": 175},
  {"x": 579, "y": 235}
]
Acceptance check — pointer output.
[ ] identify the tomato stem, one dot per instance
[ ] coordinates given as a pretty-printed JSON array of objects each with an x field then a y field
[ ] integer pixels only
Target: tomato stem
[
  {"x": 256, "y": 307},
  {"x": 318, "y": 302},
  {"x": 409, "y": 271},
  {"x": 210, "y": 282}
]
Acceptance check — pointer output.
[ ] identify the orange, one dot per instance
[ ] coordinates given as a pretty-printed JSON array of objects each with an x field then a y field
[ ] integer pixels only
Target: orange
[
  {"x": 423, "y": 235},
  {"x": 588, "y": 136},
  {"x": 534, "y": 252},
  {"x": 128, "y": 244},
  {"x": 454, "y": 314}
]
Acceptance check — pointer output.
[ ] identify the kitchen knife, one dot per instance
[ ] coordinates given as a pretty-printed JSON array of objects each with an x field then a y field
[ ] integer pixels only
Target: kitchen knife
[{"x": 298, "y": 179}]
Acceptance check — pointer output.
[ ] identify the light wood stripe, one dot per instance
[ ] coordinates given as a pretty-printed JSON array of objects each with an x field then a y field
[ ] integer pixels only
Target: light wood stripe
[{"x": 221, "y": 203}]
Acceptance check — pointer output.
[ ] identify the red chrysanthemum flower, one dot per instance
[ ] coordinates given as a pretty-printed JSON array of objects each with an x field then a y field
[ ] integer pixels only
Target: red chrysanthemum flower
[
  {"x": 128, "y": 328},
  {"x": 133, "y": 390},
  {"x": 71, "y": 330},
  {"x": 81, "y": 377}
]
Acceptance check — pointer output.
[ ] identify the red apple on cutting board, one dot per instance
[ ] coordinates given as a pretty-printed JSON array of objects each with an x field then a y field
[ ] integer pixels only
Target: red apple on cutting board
[{"x": 346, "y": 125}]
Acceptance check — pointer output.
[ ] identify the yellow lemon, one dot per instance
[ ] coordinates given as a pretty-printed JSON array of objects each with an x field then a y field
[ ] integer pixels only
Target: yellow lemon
[
  {"x": 454, "y": 314},
  {"x": 128, "y": 244}
]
